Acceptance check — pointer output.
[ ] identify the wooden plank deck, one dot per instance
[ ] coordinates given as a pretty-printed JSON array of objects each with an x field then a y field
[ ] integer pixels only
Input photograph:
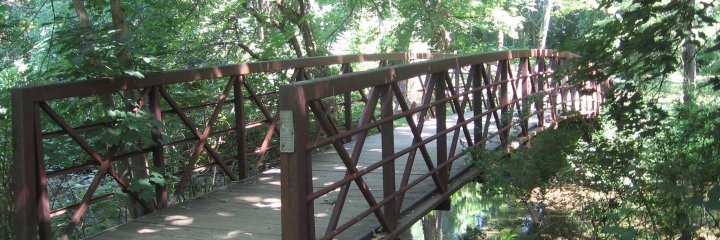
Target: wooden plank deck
[{"x": 250, "y": 209}]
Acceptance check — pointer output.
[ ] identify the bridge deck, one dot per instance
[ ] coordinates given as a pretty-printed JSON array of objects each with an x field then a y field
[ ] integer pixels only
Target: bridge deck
[{"x": 250, "y": 209}]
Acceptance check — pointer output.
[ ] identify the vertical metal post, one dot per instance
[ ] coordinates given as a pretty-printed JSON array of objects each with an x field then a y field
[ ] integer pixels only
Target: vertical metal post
[
  {"x": 505, "y": 116},
  {"x": 43, "y": 200},
  {"x": 239, "y": 102},
  {"x": 295, "y": 165},
  {"x": 525, "y": 90},
  {"x": 540, "y": 88},
  {"x": 562, "y": 83},
  {"x": 161, "y": 193},
  {"x": 555, "y": 90},
  {"x": 388, "y": 148},
  {"x": 427, "y": 92},
  {"x": 347, "y": 103},
  {"x": 441, "y": 141},
  {"x": 24, "y": 166},
  {"x": 477, "y": 95}
]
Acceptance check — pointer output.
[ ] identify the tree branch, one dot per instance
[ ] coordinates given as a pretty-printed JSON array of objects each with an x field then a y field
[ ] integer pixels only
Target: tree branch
[
  {"x": 81, "y": 12},
  {"x": 260, "y": 18},
  {"x": 352, "y": 12},
  {"x": 280, "y": 25},
  {"x": 249, "y": 51}
]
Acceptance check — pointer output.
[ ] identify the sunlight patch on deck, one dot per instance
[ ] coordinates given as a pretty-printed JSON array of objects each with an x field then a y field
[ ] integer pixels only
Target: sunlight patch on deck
[
  {"x": 147, "y": 230},
  {"x": 224, "y": 214},
  {"x": 180, "y": 220}
]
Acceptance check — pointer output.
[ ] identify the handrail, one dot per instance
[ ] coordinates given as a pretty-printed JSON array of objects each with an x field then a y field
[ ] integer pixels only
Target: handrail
[
  {"x": 113, "y": 84},
  {"x": 324, "y": 87},
  {"x": 33, "y": 169},
  {"x": 508, "y": 98}
]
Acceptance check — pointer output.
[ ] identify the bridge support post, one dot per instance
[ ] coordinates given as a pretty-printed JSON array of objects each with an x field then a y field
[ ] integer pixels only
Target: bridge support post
[
  {"x": 523, "y": 75},
  {"x": 32, "y": 210},
  {"x": 295, "y": 164},
  {"x": 552, "y": 84},
  {"x": 239, "y": 102},
  {"x": 347, "y": 101},
  {"x": 391, "y": 209},
  {"x": 505, "y": 115},
  {"x": 563, "y": 92},
  {"x": 477, "y": 96},
  {"x": 161, "y": 193},
  {"x": 441, "y": 141},
  {"x": 539, "y": 87}
]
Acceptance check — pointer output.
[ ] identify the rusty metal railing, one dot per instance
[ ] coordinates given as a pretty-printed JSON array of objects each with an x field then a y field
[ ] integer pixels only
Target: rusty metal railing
[
  {"x": 45, "y": 138},
  {"x": 521, "y": 87}
]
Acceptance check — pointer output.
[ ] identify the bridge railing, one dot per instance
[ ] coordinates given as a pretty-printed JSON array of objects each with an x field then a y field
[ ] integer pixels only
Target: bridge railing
[
  {"x": 72, "y": 139},
  {"x": 499, "y": 91}
]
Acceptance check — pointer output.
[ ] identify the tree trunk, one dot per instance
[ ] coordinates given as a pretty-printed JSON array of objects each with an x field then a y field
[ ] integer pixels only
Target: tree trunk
[
  {"x": 689, "y": 63},
  {"x": 542, "y": 35},
  {"x": 118, "y": 19},
  {"x": 306, "y": 31},
  {"x": 298, "y": 19},
  {"x": 501, "y": 40},
  {"x": 137, "y": 165},
  {"x": 439, "y": 41},
  {"x": 259, "y": 28},
  {"x": 278, "y": 24},
  {"x": 84, "y": 21},
  {"x": 81, "y": 12},
  {"x": 689, "y": 66},
  {"x": 431, "y": 226}
]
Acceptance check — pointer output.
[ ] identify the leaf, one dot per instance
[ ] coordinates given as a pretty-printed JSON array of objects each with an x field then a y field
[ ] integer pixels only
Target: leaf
[
  {"x": 713, "y": 202},
  {"x": 716, "y": 46},
  {"x": 695, "y": 200},
  {"x": 147, "y": 59},
  {"x": 120, "y": 193},
  {"x": 134, "y": 73},
  {"x": 628, "y": 234},
  {"x": 305, "y": 18},
  {"x": 613, "y": 217},
  {"x": 146, "y": 195},
  {"x": 715, "y": 82},
  {"x": 157, "y": 178},
  {"x": 612, "y": 229},
  {"x": 143, "y": 188},
  {"x": 714, "y": 193}
]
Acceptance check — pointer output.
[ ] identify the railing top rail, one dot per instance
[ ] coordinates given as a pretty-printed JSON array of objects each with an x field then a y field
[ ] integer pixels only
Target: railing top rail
[
  {"x": 113, "y": 84},
  {"x": 329, "y": 86}
]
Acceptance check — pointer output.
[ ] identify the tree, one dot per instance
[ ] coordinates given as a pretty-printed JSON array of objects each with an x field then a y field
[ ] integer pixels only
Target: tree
[
  {"x": 689, "y": 62},
  {"x": 290, "y": 12},
  {"x": 542, "y": 34},
  {"x": 651, "y": 156}
]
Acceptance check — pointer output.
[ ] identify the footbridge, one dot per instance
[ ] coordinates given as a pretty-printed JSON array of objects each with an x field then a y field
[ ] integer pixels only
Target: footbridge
[{"x": 336, "y": 147}]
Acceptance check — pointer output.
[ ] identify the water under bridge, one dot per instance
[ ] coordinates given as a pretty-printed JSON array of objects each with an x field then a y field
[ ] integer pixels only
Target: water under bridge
[{"x": 352, "y": 154}]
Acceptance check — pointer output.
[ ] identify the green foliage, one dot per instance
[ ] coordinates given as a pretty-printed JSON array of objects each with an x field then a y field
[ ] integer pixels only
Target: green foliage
[
  {"x": 536, "y": 166},
  {"x": 657, "y": 164},
  {"x": 145, "y": 187},
  {"x": 131, "y": 129},
  {"x": 657, "y": 161},
  {"x": 665, "y": 175},
  {"x": 572, "y": 22},
  {"x": 641, "y": 42},
  {"x": 473, "y": 233}
]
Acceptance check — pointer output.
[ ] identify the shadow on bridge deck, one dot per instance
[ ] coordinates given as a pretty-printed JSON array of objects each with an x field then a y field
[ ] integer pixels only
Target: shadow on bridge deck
[{"x": 250, "y": 209}]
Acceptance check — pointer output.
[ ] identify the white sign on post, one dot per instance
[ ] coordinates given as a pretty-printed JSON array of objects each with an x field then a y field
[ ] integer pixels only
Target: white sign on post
[{"x": 287, "y": 132}]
